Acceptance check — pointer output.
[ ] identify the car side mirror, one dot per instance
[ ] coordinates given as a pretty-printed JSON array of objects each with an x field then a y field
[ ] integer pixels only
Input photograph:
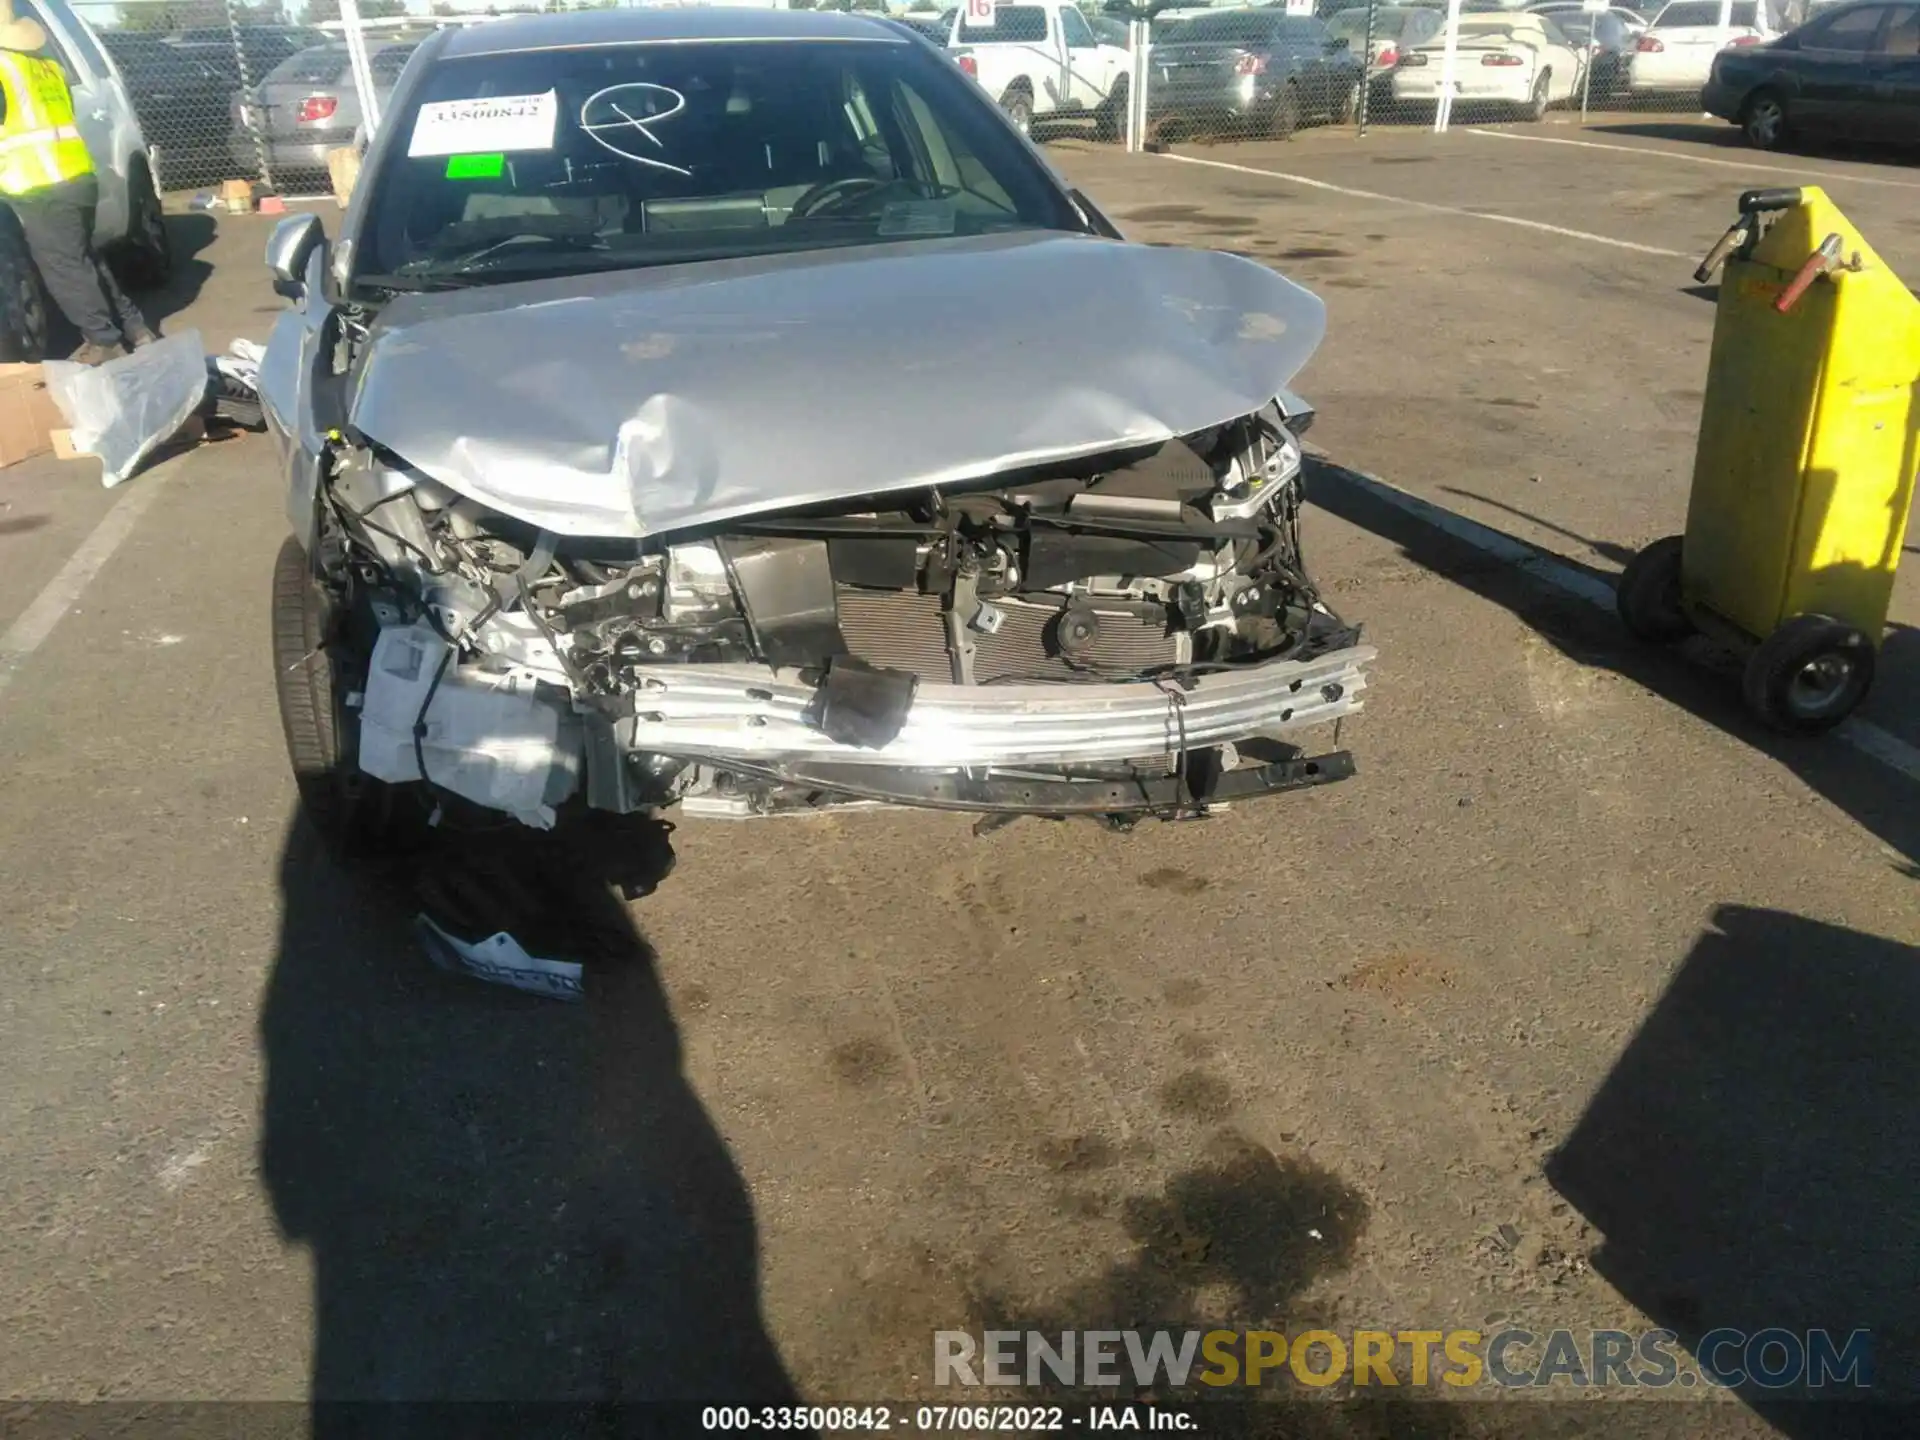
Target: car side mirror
[{"x": 289, "y": 248}]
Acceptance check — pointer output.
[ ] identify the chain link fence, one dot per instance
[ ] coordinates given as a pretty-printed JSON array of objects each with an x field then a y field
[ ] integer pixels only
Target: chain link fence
[{"x": 226, "y": 89}]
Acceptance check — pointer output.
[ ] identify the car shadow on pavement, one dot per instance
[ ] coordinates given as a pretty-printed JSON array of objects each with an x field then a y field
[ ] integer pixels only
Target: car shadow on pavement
[
  {"x": 1723, "y": 136},
  {"x": 1701, "y": 682},
  {"x": 505, "y": 1198},
  {"x": 188, "y": 235},
  {"x": 1752, "y": 1158}
]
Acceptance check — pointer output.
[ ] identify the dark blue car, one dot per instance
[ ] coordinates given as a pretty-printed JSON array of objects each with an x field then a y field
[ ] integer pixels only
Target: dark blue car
[{"x": 1851, "y": 72}]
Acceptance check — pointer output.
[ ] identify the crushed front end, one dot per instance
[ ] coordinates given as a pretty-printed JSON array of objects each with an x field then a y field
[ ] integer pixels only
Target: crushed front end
[{"x": 1132, "y": 633}]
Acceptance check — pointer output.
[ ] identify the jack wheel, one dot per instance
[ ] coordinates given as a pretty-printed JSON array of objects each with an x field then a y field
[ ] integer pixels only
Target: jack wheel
[
  {"x": 1809, "y": 675},
  {"x": 1648, "y": 597}
]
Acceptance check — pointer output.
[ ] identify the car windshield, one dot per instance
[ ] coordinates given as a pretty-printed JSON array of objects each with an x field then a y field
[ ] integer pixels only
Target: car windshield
[
  {"x": 1574, "y": 26},
  {"x": 552, "y": 161},
  {"x": 1701, "y": 13}
]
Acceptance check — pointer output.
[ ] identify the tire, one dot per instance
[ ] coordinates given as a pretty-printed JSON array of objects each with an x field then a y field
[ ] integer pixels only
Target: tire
[
  {"x": 353, "y": 812},
  {"x": 1809, "y": 675},
  {"x": 1346, "y": 107},
  {"x": 1763, "y": 120},
  {"x": 1019, "y": 107},
  {"x": 1536, "y": 107},
  {"x": 1648, "y": 597},
  {"x": 1110, "y": 120},
  {"x": 149, "y": 250},
  {"x": 1285, "y": 117},
  {"x": 23, "y": 301}
]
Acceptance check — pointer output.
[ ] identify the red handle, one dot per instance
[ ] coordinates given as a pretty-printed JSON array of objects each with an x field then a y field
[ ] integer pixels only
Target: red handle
[
  {"x": 1815, "y": 267},
  {"x": 1826, "y": 258}
]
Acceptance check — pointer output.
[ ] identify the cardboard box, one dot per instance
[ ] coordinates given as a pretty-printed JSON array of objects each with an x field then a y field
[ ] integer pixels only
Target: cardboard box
[
  {"x": 28, "y": 416},
  {"x": 238, "y": 195}
]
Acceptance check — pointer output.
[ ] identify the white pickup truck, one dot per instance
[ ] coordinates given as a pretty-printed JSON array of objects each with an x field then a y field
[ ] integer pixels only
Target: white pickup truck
[{"x": 1043, "y": 62}]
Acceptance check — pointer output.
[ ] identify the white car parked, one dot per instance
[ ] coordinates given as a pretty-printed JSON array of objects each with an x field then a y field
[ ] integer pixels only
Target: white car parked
[
  {"x": 128, "y": 219},
  {"x": 1042, "y": 61},
  {"x": 1509, "y": 58},
  {"x": 1675, "y": 54}
]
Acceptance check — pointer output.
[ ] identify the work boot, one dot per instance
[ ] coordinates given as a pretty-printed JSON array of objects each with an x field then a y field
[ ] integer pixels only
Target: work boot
[
  {"x": 139, "y": 337},
  {"x": 93, "y": 353}
]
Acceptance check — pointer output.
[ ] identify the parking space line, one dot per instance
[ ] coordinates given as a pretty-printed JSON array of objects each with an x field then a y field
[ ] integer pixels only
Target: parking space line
[
  {"x": 34, "y": 624},
  {"x": 1429, "y": 205},
  {"x": 1702, "y": 159},
  {"x": 1863, "y": 735}
]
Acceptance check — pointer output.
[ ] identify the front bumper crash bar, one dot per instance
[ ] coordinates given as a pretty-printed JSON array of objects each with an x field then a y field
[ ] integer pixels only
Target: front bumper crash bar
[
  {"x": 1023, "y": 795},
  {"x": 761, "y": 716}
]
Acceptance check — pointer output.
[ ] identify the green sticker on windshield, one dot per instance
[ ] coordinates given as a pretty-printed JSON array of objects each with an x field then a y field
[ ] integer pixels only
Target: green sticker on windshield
[{"x": 476, "y": 167}]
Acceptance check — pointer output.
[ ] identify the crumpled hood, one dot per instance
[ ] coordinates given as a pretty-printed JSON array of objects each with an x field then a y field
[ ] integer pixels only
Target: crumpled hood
[{"x": 635, "y": 402}]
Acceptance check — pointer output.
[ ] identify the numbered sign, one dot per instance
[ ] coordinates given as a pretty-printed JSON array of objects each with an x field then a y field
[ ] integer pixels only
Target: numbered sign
[
  {"x": 980, "y": 14},
  {"x": 1299, "y": 7}
]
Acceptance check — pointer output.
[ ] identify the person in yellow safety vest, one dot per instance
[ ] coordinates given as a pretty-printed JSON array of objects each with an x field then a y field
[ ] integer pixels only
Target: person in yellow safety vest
[{"x": 47, "y": 179}]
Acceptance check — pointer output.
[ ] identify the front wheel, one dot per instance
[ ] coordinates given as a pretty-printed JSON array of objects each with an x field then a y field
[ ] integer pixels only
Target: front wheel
[
  {"x": 1285, "y": 118},
  {"x": 1764, "y": 121},
  {"x": 1110, "y": 121},
  {"x": 1346, "y": 106},
  {"x": 1808, "y": 675},
  {"x": 1019, "y": 107},
  {"x": 23, "y": 303},
  {"x": 312, "y": 675},
  {"x": 149, "y": 251}
]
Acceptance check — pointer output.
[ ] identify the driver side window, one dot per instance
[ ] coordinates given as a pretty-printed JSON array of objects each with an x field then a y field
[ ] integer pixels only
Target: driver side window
[{"x": 1073, "y": 25}]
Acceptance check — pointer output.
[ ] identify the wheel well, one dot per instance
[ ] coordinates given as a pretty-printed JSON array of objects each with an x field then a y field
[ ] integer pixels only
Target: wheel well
[
  {"x": 1020, "y": 86},
  {"x": 1762, "y": 92}
]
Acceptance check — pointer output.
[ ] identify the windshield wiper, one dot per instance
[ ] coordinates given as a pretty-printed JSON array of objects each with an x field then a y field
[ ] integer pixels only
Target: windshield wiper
[{"x": 459, "y": 262}]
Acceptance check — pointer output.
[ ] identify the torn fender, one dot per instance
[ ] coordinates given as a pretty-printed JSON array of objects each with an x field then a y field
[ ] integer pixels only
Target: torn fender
[{"x": 634, "y": 402}]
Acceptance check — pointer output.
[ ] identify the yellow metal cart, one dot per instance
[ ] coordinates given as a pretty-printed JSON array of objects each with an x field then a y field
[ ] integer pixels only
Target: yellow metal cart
[{"x": 1805, "y": 467}]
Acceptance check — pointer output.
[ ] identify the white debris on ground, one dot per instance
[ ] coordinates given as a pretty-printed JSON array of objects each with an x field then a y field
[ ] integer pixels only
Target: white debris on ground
[{"x": 502, "y": 960}]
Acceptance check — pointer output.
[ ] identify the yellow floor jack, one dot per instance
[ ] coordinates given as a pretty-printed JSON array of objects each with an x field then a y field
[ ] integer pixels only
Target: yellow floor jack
[{"x": 1804, "y": 472}]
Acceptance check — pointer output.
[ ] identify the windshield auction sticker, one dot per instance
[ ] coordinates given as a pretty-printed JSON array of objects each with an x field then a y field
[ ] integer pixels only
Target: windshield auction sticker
[{"x": 498, "y": 123}]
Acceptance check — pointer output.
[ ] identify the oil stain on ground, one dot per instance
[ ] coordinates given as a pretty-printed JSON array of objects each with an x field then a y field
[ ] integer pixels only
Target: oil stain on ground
[
  {"x": 861, "y": 1063},
  {"x": 1245, "y": 1225},
  {"x": 1177, "y": 881},
  {"x": 1196, "y": 1095},
  {"x": 1315, "y": 252},
  {"x": 1076, "y": 1153}
]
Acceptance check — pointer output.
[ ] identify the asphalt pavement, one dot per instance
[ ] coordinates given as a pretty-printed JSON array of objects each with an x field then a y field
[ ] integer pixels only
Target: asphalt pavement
[{"x": 1584, "y": 1005}]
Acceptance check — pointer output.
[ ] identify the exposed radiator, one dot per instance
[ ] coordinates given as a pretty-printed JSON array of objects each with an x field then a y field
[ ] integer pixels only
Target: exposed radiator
[{"x": 904, "y": 630}]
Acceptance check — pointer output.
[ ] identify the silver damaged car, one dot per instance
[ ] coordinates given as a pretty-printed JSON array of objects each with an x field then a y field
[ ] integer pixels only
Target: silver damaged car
[{"x": 729, "y": 409}]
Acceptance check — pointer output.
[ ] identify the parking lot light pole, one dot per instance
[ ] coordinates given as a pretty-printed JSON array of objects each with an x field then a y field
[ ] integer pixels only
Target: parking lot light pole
[
  {"x": 357, "y": 61},
  {"x": 1443, "y": 104},
  {"x": 249, "y": 111},
  {"x": 1366, "y": 68}
]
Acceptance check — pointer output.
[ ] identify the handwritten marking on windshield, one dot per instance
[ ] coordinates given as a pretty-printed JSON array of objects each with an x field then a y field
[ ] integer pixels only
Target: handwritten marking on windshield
[{"x": 638, "y": 94}]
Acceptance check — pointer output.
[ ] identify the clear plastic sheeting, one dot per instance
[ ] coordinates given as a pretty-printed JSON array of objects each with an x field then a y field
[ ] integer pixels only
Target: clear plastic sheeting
[{"x": 124, "y": 410}]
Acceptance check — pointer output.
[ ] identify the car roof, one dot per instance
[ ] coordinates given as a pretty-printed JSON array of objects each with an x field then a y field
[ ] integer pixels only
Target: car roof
[{"x": 636, "y": 27}]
